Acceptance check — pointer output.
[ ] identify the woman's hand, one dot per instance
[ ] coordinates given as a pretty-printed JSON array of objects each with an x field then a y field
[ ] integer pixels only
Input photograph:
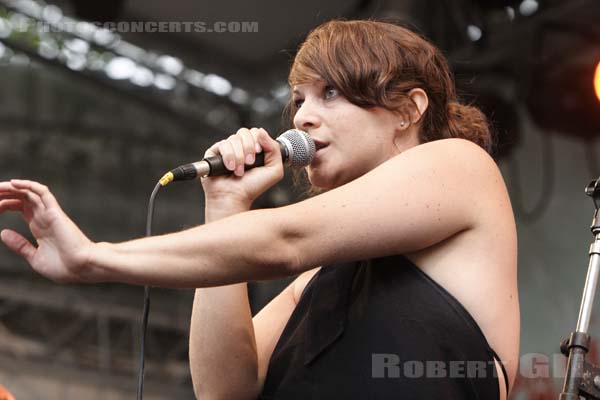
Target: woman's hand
[
  {"x": 243, "y": 187},
  {"x": 62, "y": 249}
]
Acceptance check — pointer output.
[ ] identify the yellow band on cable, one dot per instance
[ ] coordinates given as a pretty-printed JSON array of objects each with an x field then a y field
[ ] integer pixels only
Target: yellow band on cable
[{"x": 166, "y": 179}]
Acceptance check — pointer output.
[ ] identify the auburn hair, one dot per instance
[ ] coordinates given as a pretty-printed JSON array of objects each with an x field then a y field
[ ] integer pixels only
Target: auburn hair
[{"x": 376, "y": 64}]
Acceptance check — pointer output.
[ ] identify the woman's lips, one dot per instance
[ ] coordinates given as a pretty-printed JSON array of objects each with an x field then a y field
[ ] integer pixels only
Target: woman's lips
[
  {"x": 320, "y": 151},
  {"x": 319, "y": 145}
]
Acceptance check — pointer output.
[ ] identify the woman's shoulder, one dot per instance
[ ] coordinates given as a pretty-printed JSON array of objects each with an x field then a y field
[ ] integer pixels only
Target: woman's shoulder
[
  {"x": 447, "y": 149},
  {"x": 458, "y": 164}
]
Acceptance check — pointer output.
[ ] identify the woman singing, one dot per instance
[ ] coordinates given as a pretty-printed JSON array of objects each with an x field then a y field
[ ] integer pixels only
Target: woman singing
[{"x": 406, "y": 257}]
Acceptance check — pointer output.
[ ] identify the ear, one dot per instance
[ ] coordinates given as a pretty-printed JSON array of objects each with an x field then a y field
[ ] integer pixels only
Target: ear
[{"x": 419, "y": 97}]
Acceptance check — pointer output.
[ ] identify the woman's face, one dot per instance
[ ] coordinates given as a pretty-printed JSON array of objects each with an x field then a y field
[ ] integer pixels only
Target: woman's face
[{"x": 350, "y": 140}]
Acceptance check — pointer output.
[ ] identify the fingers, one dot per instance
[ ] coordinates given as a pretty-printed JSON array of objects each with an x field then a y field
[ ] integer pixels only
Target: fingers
[
  {"x": 213, "y": 150},
  {"x": 47, "y": 198},
  {"x": 9, "y": 191},
  {"x": 238, "y": 150},
  {"x": 255, "y": 133},
  {"x": 248, "y": 145},
  {"x": 18, "y": 244},
  {"x": 11, "y": 205},
  {"x": 271, "y": 148},
  {"x": 226, "y": 150},
  {"x": 265, "y": 141}
]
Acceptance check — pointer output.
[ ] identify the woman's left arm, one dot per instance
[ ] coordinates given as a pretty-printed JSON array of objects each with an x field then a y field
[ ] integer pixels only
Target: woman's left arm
[{"x": 410, "y": 202}]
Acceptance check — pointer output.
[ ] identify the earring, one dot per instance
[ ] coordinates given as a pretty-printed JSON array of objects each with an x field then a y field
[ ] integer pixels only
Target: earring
[{"x": 402, "y": 124}]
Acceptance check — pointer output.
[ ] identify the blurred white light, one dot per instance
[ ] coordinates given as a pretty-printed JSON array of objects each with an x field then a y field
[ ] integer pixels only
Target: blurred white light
[
  {"x": 282, "y": 92},
  {"x": 52, "y": 14},
  {"x": 216, "y": 116},
  {"x": 77, "y": 45},
  {"x": 66, "y": 53},
  {"x": 120, "y": 68},
  {"x": 104, "y": 37},
  {"x": 194, "y": 77},
  {"x": 142, "y": 77},
  {"x": 260, "y": 105},
  {"x": 5, "y": 28},
  {"x": 170, "y": 64},
  {"x": 217, "y": 84},
  {"x": 474, "y": 33},
  {"x": 19, "y": 22},
  {"x": 85, "y": 29},
  {"x": 76, "y": 62},
  {"x": 30, "y": 7},
  {"x": 239, "y": 96},
  {"x": 510, "y": 12},
  {"x": 129, "y": 50},
  {"x": 164, "y": 82},
  {"x": 48, "y": 48},
  {"x": 2, "y": 50},
  {"x": 150, "y": 58},
  {"x": 7, "y": 53},
  {"x": 19, "y": 59},
  {"x": 528, "y": 7}
]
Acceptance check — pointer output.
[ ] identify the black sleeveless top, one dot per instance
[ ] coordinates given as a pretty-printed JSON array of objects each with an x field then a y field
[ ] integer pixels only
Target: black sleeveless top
[{"x": 380, "y": 329}]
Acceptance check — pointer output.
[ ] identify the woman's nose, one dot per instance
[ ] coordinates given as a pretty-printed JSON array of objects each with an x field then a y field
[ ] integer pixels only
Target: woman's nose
[{"x": 307, "y": 117}]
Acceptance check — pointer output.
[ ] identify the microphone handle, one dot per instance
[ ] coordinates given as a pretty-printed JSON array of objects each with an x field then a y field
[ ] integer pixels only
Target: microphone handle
[
  {"x": 214, "y": 166},
  {"x": 217, "y": 166}
]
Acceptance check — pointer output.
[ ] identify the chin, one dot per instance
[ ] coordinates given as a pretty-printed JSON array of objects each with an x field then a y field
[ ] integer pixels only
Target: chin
[
  {"x": 322, "y": 182},
  {"x": 316, "y": 180}
]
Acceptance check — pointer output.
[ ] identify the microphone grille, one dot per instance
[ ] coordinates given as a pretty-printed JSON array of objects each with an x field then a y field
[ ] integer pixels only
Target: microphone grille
[{"x": 301, "y": 147}]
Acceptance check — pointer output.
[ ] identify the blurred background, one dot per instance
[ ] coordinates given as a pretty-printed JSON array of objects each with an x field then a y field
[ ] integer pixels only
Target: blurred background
[{"x": 99, "y": 110}]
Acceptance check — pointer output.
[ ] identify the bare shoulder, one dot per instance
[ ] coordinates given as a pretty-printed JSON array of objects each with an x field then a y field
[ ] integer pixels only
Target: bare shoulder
[
  {"x": 454, "y": 166},
  {"x": 471, "y": 171},
  {"x": 468, "y": 156}
]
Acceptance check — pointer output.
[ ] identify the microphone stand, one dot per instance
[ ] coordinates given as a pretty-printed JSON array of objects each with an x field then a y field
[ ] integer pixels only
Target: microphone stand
[{"x": 582, "y": 378}]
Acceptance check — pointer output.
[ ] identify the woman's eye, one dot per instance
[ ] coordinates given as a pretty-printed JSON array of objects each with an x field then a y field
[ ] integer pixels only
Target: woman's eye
[
  {"x": 298, "y": 103},
  {"x": 330, "y": 92}
]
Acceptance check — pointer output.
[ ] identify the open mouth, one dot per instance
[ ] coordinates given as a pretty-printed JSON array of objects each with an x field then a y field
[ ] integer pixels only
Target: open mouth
[{"x": 320, "y": 145}]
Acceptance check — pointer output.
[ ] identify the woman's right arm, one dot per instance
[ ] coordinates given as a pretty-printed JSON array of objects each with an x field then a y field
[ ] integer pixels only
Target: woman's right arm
[
  {"x": 229, "y": 350},
  {"x": 229, "y": 354}
]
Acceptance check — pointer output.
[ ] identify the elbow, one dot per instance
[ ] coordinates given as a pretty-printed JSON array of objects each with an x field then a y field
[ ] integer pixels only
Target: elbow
[
  {"x": 280, "y": 256},
  {"x": 291, "y": 260},
  {"x": 280, "y": 244}
]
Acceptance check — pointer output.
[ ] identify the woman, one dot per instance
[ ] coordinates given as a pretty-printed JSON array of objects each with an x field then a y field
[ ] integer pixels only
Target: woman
[{"x": 417, "y": 293}]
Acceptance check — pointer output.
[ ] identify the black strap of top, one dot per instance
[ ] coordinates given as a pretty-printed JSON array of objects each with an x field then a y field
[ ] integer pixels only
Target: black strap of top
[{"x": 501, "y": 366}]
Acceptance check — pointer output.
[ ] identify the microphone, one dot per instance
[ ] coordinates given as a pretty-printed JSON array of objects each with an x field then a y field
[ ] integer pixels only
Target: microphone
[{"x": 297, "y": 150}]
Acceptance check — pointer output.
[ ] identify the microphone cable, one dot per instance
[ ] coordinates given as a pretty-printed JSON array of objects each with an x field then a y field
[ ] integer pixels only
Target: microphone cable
[{"x": 146, "y": 309}]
